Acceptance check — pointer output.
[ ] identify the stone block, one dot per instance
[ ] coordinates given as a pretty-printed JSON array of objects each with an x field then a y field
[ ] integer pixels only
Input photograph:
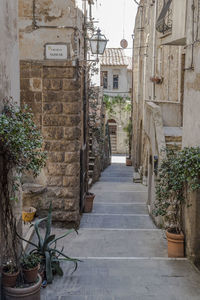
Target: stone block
[
  {"x": 53, "y": 133},
  {"x": 55, "y": 181},
  {"x": 72, "y": 169},
  {"x": 71, "y": 157},
  {"x": 61, "y": 146},
  {"x": 24, "y": 70},
  {"x": 36, "y": 71},
  {"x": 24, "y": 84},
  {"x": 72, "y": 133},
  {"x": 57, "y": 169},
  {"x": 35, "y": 107},
  {"x": 52, "y": 84},
  {"x": 70, "y": 85},
  {"x": 38, "y": 96},
  {"x": 62, "y": 216},
  {"x": 55, "y": 120},
  {"x": 71, "y": 108},
  {"x": 56, "y": 156},
  {"x": 73, "y": 120},
  {"x": 53, "y": 108},
  {"x": 58, "y": 72},
  {"x": 61, "y": 96},
  {"x": 71, "y": 181},
  {"x": 63, "y": 192},
  {"x": 35, "y": 84}
]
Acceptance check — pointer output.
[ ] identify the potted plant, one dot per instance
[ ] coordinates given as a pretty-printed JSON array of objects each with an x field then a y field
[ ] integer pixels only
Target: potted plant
[
  {"x": 178, "y": 174},
  {"x": 46, "y": 249},
  {"x": 89, "y": 199},
  {"x": 20, "y": 150},
  {"x": 23, "y": 291},
  {"x": 10, "y": 273},
  {"x": 30, "y": 265}
]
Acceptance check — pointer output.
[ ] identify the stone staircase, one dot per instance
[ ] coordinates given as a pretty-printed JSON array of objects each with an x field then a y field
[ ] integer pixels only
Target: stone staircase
[
  {"x": 91, "y": 161},
  {"x": 173, "y": 137}
]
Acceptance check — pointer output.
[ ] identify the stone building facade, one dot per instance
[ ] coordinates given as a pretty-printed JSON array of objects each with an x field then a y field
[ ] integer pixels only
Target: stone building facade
[
  {"x": 165, "y": 94},
  {"x": 56, "y": 91},
  {"x": 116, "y": 80}
]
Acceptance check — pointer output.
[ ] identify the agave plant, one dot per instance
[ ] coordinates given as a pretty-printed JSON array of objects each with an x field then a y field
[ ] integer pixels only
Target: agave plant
[{"x": 47, "y": 248}]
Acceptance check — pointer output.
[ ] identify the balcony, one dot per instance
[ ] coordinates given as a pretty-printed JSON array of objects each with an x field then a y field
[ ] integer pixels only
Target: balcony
[{"x": 171, "y": 23}]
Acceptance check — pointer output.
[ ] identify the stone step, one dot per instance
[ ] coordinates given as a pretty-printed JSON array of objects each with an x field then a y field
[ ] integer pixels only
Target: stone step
[
  {"x": 173, "y": 139},
  {"x": 116, "y": 221},
  {"x": 174, "y": 146}
]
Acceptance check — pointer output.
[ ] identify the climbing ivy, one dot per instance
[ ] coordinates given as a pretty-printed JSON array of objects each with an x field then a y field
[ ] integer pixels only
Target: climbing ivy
[{"x": 179, "y": 170}]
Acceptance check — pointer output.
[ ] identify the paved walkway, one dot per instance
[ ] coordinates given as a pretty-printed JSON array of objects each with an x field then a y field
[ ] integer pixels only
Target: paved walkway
[{"x": 124, "y": 255}]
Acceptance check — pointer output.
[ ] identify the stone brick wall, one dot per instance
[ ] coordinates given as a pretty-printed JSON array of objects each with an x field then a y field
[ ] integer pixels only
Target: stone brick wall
[{"x": 53, "y": 91}]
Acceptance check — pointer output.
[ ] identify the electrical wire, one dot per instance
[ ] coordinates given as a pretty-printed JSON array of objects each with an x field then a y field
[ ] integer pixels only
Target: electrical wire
[{"x": 136, "y": 2}]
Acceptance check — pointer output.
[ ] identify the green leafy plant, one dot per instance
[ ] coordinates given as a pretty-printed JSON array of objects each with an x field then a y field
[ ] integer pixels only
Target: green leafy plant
[
  {"x": 47, "y": 248},
  {"x": 179, "y": 172},
  {"x": 111, "y": 103},
  {"x": 20, "y": 150},
  {"x": 128, "y": 130},
  {"x": 10, "y": 268},
  {"x": 30, "y": 261}
]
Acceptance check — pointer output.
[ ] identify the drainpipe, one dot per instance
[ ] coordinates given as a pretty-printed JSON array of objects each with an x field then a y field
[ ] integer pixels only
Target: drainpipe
[
  {"x": 144, "y": 79},
  {"x": 138, "y": 88},
  {"x": 154, "y": 48}
]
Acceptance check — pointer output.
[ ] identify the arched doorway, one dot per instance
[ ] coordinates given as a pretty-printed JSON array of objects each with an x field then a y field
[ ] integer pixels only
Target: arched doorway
[{"x": 113, "y": 134}]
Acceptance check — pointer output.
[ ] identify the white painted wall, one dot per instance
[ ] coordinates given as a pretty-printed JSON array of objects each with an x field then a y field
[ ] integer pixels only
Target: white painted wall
[{"x": 124, "y": 80}]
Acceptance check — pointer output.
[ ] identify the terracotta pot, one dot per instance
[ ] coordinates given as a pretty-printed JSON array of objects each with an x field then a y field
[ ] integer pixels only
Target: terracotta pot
[
  {"x": 175, "y": 244},
  {"x": 28, "y": 293},
  {"x": 9, "y": 280},
  {"x": 31, "y": 275},
  {"x": 128, "y": 162},
  {"x": 89, "y": 198}
]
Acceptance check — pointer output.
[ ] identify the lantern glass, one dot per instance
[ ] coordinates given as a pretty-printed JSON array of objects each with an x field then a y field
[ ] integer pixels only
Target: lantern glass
[{"x": 98, "y": 43}]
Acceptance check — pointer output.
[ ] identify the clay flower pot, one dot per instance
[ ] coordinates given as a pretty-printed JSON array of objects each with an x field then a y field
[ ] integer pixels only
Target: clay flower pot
[
  {"x": 175, "y": 244},
  {"x": 9, "y": 280},
  {"x": 31, "y": 275},
  {"x": 28, "y": 214},
  {"x": 128, "y": 162},
  {"x": 89, "y": 198},
  {"x": 31, "y": 292}
]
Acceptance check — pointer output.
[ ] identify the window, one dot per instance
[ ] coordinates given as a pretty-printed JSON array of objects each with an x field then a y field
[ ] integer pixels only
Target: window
[
  {"x": 104, "y": 82},
  {"x": 115, "y": 81}
]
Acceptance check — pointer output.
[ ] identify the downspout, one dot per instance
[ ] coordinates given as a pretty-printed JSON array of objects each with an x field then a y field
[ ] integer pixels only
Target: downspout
[
  {"x": 138, "y": 88},
  {"x": 154, "y": 49}
]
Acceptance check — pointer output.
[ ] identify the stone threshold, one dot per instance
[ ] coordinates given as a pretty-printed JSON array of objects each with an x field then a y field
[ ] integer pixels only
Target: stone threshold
[
  {"x": 134, "y": 258},
  {"x": 124, "y": 215}
]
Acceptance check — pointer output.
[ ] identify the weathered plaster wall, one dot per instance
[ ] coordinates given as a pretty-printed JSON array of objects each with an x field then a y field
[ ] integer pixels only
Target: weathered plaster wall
[
  {"x": 9, "y": 50},
  {"x": 124, "y": 80},
  {"x": 191, "y": 120},
  {"x": 50, "y": 13},
  {"x": 9, "y": 77}
]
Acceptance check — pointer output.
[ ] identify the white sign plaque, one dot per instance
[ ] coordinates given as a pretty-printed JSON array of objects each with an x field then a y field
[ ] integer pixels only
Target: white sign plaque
[{"x": 56, "y": 51}]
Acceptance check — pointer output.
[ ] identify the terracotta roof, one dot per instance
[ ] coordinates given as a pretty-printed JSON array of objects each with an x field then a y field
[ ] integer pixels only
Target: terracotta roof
[{"x": 114, "y": 57}]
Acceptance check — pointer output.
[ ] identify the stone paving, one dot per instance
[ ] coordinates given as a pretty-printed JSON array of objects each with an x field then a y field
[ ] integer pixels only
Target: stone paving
[{"x": 124, "y": 255}]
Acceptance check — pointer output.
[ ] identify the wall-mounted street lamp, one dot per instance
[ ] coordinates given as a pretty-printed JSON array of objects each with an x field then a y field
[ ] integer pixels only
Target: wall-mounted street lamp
[{"x": 98, "y": 43}]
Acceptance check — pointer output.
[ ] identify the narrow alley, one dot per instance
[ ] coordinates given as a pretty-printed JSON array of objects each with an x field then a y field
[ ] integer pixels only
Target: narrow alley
[{"x": 124, "y": 255}]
